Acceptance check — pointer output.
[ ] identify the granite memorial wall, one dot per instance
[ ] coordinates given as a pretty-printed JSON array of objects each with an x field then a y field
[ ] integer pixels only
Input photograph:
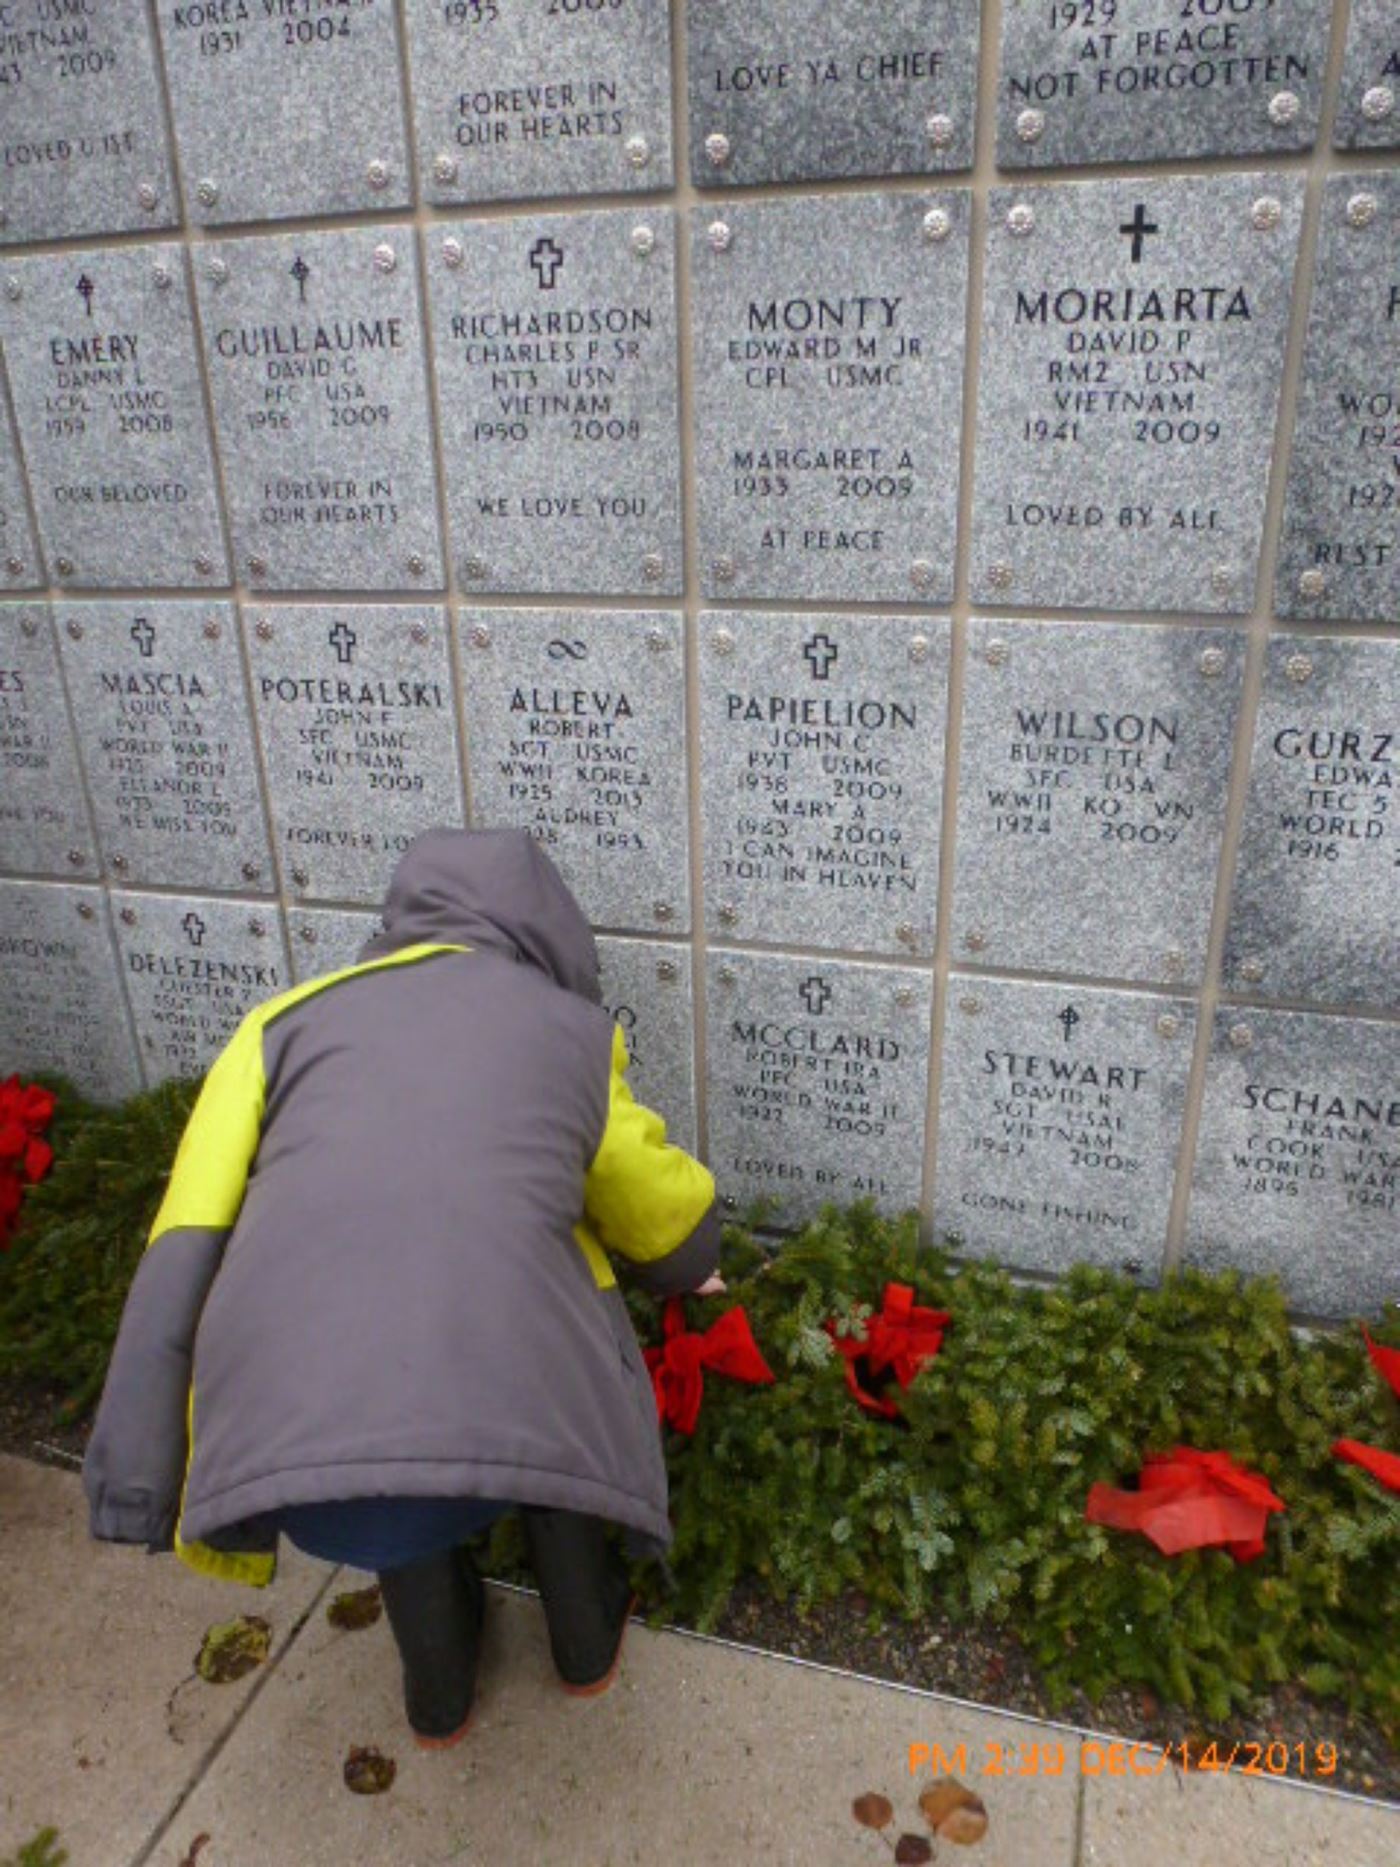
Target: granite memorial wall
[{"x": 901, "y": 497}]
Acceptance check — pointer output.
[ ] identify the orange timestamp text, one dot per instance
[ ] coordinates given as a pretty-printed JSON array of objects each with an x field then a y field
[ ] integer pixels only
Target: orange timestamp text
[{"x": 1110, "y": 1757}]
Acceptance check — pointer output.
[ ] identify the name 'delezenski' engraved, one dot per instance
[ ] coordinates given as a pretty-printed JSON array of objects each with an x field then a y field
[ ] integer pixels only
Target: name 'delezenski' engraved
[{"x": 610, "y": 780}]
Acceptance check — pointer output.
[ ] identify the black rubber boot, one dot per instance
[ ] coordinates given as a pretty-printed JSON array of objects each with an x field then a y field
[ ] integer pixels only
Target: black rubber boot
[
  {"x": 586, "y": 1594},
  {"x": 435, "y": 1609}
]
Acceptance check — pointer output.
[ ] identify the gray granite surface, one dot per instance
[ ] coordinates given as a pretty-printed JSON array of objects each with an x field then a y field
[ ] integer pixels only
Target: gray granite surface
[
  {"x": 62, "y": 1008},
  {"x": 1156, "y": 80},
  {"x": 818, "y": 1083},
  {"x": 286, "y": 108},
  {"x": 354, "y": 710},
  {"x": 555, "y": 345},
  {"x": 194, "y": 967},
  {"x": 516, "y": 98},
  {"x": 1060, "y": 1122},
  {"x": 323, "y": 940},
  {"x": 20, "y": 568},
  {"x": 1368, "y": 104},
  {"x": 1132, "y": 350},
  {"x": 315, "y": 352},
  {"x": 44, "y": 827},
  {"x": 647, "y": 989},
  {"x": 1339, "y": 551},
  {"x": 800, "y": 89},
  {"x": 82, "y": 132},
  {"x": 1298, "y": 1163},
  {"x": 1091, "y": 803},
  {"x": 574, "y": 721},
  {"x": 1315, "y": 912},
  {"x": 822, "y": 749},
  {"x": 161, "y": 713},
  {"x": 828, "y": 337},
  {"x": 100, "y": 349}
]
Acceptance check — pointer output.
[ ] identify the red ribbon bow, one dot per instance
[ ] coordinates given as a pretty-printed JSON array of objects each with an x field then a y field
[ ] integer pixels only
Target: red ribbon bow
[
  {"x": 25, "y": 1110},
  {"x": 677, "y": 1367},
  {"x": 1382, "y": 1465},
  {"x": 1191, "y": 1500},
  {"x": 901, "y": 1338}
]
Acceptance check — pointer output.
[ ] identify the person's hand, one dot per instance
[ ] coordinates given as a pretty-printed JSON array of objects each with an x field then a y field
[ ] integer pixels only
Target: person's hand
[{"x": 712, "y": 1287}]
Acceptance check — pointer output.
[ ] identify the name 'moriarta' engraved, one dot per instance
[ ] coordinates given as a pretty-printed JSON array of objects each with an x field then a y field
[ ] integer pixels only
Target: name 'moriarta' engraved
[{"x": 1131, "y": 304}]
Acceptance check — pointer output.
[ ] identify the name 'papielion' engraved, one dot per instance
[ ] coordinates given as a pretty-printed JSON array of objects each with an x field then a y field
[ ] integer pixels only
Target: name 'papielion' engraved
[
  {"x": 1145, "y": 80},
  {"x": 193, "y": 968},
  {"x": 100, "y": 350},
  {"x": 822, "y": 760},
  {"x": 1339, "y": 557},
  {"x": 1316, "y": 909},
  {"x": 1060, "y": 1122},
  {"x": 44, "y": 826},
  {"x": 555, "y": 347},
  {"x": 1368, "y": 105},
  {"x": 1095, "y": 762},
  {"x": 82, "y": 131},
  {"x": 517, "y": 98},
  {"x": 162, "y": 720},
  {"x": 818, "y": 1081},
  {"x": 574, "y": 721},
  {"x": 354, "y": 705},
  {"x": 646, "y": 990},
  {"x": 1132, "y": 351},
  {"x": 828, "y": 337},
  {"x": 20, "y": 568},
  {"x": 793, "y": 90},
  {"x": 286, "y": 107},
  {"x": 314, "y": 346},
  {"x": 62, "y": 1007},
  {"x": 1298, "y": 1164}
]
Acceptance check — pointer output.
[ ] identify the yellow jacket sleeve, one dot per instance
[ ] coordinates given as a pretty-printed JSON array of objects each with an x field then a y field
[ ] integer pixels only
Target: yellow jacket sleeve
[{"x": 220, "y": 1140}]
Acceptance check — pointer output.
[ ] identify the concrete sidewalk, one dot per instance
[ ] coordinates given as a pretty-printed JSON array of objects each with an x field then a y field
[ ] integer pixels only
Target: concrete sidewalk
[{"x": 700, "y": 1754}]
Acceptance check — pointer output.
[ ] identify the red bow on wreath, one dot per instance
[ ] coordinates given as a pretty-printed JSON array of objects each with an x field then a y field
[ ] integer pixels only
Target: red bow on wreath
[
  {"x": 1382, "y": 1465},
  {"x": 677, "y": 1367},
  {"x": 25, "y": 1110},
  {"x": 1191, "y": 1500},
  {"x": 900, "y": 1339}
]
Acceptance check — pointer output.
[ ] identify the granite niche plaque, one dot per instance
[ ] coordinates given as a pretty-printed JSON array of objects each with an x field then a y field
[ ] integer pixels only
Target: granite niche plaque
[
  {"x": 555, "y": 346},
  {"x": 323, "y": 940},
  {"x": 1316, "y": 906},
  {"x": 517, "y": 98},
  {"x": 1132, "y": 351},
  {"x": 817, "y": 1081},
  {"x": 82, "y": 131},
  {"x": 575, "y": 723},
  {"x": 100, "y": 351},
  {"x": 314, "y": 346},
  {"x": 1339, "y": 554},
  {"x": 646, "y": 990},
  {"x": 286, "y": 107},
  {"x": 1158, "y": 80},
  {"x": 62, "y": 1008},
  {"x": 828, "y": 337},
  {"x": 798, "y": 90},
  {"x": 1060, "y": 1123},
  {"x": 354, "y": 705},
  {"x": 162, "y": 719},
  {"x": 1368, "y": 105},
  {"x": 1095, "y": 764},
  {"x": 822, "y": 753},
  {"x": 1298, "y": 1164},
  {"x": 193, "y": 969},
  {"x": 20, "y": 568},
  {"x": 44, "y": 826}
]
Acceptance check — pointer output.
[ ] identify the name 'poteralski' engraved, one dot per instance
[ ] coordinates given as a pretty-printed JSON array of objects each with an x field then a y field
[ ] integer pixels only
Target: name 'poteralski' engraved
[{"x": 1133, "y": 339}]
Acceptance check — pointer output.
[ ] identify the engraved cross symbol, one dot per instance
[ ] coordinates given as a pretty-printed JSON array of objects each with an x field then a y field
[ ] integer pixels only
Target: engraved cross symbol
[
  {"x": 1137, "y": 230},
  {"x": 301, "y": 272},
  {"x": 820, "y": 653},
  {"x": 1069, "y": 1017},
  {"x": 194, "y": 928},
  {"x": 343, "y": 640},
  {"x": 815, "y": 994},
  {"x": 144, "y": 636},
  {"x": 85, "y": 289},
  {"x": 546, "y": 258}
]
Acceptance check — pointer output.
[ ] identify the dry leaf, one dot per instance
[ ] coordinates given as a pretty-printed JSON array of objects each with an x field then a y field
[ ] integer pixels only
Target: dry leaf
[
  {"x": 912, "y": 1849},
  {"x": 192, "y": 1857},
  {"x": 233, "y": 1648},
  {"x": 953, "y": 1812},
  {"x": 872, "y": 1810},
  {"x": 368, "y": 1771},
  {"x": 360, "y": 1608},
  {"x": 966, "y": 1824}
]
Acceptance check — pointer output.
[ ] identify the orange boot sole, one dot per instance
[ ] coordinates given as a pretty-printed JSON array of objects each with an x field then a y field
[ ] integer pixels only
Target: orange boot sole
[{"x": 600, "y": 1686}]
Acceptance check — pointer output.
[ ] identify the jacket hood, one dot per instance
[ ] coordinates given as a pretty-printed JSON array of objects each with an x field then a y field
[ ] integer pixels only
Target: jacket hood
[{"x": 493, "y": 889}]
